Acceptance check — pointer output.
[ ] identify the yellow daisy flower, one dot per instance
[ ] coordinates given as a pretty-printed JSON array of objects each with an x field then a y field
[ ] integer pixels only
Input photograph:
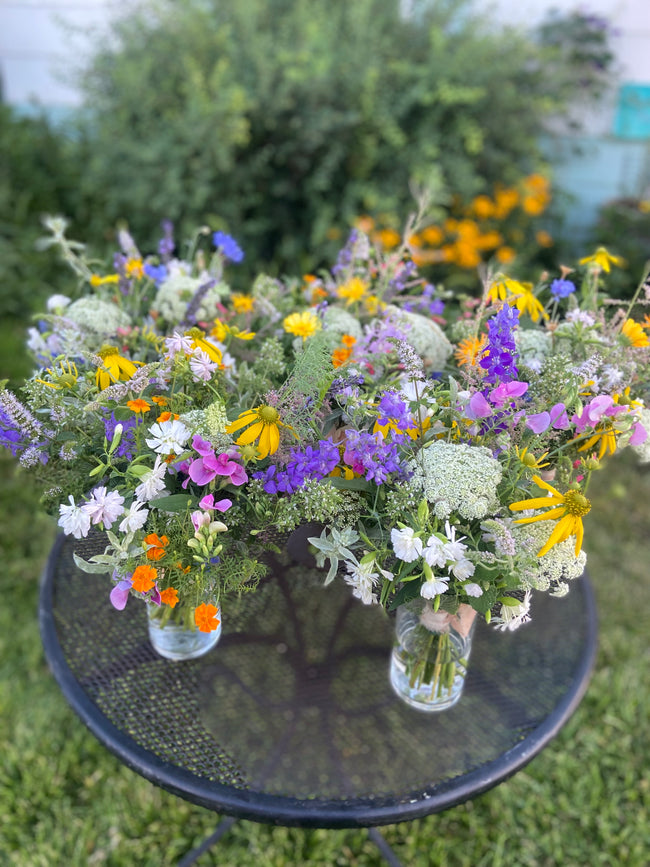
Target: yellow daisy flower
[
  {"x": 352, "y": 291},
  {"x": 242, "y": 303},
  {"x": 568, "y": 509},
  {"x": 114, "y": 368},
  {"x": 264, "y": 421},
  {"x": 302, "y": 324},
  {"x": 96, "y": 280},
  {"x": 603, "y": 259}
]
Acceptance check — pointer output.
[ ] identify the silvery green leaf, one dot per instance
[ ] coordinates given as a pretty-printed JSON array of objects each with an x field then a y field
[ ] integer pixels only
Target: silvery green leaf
[{"x": 91, "y": 567}]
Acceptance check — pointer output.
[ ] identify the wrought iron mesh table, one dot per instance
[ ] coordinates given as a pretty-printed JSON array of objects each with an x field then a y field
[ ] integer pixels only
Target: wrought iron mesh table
[{"x": 291, "y": 719}]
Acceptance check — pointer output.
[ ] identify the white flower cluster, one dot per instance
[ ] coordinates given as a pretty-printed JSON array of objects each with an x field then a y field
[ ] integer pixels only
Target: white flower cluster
[
  {"x": 101, "y": 318},
  {"x": 176, "y": 292},
  {"x": 442, "y": 553},
  {"x": 533, "y": 346},
  {"x": 552, "y": 571},
  {"x": 426, "y": 338},
  {"x": 340, "y": 322},
  {"x": 458, "y": 478}
]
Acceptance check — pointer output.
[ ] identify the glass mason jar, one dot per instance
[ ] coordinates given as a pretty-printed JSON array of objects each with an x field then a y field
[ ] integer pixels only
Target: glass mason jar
[
  {"x": 174, "y": 634},
  {"x": 429, "y": 660}
]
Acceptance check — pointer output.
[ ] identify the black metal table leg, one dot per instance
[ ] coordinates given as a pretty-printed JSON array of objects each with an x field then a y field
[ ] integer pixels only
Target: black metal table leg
[{"x": 222, "y": 828}]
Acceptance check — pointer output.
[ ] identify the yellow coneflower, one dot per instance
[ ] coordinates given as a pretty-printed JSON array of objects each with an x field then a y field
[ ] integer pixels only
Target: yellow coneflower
[
  {"x": 604, "y": 436},
  {"x": 301, "y": 324},
  {"x": 114, "y": 368},
  {"x": 199, "y": 342},
  {"x": 264, "y": 421},
  {"x": 635, "y": 333},
  {"x": 603, "y": 259},
  {"x": 568, "y": 509},
  {"x": 529, "y": 460},
  {"x": 65, "y": 376},
  {"x": 519, "y": 295}
]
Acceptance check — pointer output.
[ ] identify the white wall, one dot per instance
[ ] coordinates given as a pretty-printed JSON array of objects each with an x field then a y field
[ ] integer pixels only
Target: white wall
[{"x": 40, "y": 41}]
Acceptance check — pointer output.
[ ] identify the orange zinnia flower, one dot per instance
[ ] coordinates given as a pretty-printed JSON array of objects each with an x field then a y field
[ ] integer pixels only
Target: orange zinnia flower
[
  {"x": 167, "y": 416},
  {"x": 159, "y": 400},
  {"x": 143, "y": 578},
  {"x": 157, "y": 545},
  {"x": 169, "y": 597},
  {"x": 138, "y": 405},
  {"x": 205, "y": 617}
]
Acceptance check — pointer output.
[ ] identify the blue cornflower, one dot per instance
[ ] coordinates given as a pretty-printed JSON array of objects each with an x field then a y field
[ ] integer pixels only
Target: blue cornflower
[
  {"x": 157, "y": 273},
  {"x": 228, "y": 246},
  {"x": 562, "y": 288}
]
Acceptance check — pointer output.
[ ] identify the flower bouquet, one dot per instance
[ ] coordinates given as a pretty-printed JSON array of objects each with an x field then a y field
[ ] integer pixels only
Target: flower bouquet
[{"x": 444, "y": 445}]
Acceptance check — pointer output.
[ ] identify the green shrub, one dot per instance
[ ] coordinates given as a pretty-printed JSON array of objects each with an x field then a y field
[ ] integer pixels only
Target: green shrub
[
  {"x": 40, "y": 174},
  {"x": 281, "y": 120},
  {"x": 623, "y": 227}
]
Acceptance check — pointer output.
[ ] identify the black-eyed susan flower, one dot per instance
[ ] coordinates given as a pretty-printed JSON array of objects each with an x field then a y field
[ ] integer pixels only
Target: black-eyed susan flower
[
  {"x": 264, "y": 421},
  {"x": 301, "y": 324},
  {"x": 568, "y": 509},
  {"x": 114, "y": 367}
]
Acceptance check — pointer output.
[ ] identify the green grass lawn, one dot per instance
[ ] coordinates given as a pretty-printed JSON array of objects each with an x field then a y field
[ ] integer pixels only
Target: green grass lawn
[{"x": 66, "y": 802}]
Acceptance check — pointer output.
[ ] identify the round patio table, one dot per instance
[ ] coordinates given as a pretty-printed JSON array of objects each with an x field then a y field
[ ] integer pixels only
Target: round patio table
[{"x": 290, "y": 719}]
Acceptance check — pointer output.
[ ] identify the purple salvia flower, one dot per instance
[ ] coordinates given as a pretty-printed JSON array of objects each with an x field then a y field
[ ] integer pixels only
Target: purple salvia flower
[
  {"x": 166, "y": 244},
  {"x": 500, "y": 359}
]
